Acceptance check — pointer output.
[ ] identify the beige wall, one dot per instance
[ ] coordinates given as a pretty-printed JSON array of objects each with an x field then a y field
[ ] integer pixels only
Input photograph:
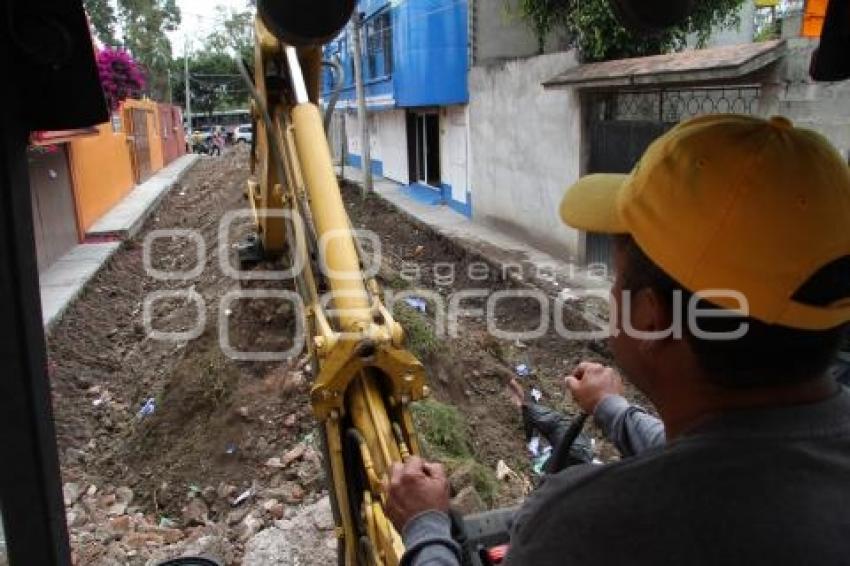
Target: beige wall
[{"x": 524, "y": 143}]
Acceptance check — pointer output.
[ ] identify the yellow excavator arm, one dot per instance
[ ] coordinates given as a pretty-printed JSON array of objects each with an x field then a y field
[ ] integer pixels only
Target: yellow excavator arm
[{"x": 364, "y": 377}]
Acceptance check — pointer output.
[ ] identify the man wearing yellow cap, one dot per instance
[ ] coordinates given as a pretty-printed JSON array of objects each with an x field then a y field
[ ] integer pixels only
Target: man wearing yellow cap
[{"x": 731, "y": 294}]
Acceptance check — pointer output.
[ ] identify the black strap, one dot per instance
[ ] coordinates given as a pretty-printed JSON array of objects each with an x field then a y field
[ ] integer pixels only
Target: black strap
[{"x": 561, "y": 453}]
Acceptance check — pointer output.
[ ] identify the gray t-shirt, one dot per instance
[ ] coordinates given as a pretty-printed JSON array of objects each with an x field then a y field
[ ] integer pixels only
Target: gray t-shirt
[{"x": 768, "y": 486}]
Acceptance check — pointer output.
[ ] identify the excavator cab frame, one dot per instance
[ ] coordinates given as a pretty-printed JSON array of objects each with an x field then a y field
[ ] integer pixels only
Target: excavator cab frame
[{"x": 366, "y": 378}]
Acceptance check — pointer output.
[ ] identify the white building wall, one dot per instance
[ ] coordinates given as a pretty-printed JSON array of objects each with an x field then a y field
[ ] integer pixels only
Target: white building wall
[
  {"x": 352, "y": 133},
  {"x": 392, "y": 139},
  {"x": 454, "y": 149},
  {"x": 352, "y": 130},
  {"x": 387, "y": 141},
  {"x": 525, "y": 149}
]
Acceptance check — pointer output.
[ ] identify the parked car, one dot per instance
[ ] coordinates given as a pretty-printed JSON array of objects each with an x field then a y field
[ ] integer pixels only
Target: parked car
[{"x": 243, "y": 134}]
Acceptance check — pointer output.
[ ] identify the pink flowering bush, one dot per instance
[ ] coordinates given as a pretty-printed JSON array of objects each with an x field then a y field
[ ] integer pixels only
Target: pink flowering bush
[{"x": 120, "y": 76}]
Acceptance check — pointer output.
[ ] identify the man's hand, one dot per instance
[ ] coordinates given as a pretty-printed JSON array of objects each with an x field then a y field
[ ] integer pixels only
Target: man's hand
[
  {"x": 590, "y": 383},
  {"x": 416, "y": 486}
]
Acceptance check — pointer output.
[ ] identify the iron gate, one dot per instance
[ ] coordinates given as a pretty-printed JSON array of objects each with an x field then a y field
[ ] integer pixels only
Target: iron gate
[{"x": 622, "y": 124}]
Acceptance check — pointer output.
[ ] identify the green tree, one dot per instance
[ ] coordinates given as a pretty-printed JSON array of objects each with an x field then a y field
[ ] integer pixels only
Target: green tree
[
  {"x": 214, "y": 82},
  {"x": 599, "y": 36},
  {"x": 103, "y": 20},
  {"x": 234, "y": 33},
  {"x": 144, "y": 23}
]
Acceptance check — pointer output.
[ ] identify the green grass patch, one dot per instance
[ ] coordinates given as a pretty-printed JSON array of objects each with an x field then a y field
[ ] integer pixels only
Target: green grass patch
[
  {"x": 397, "y": 282},
  {"x": 444, "y": 434},
  {"x": 442, "y": 429},
  {"x": 421, "y": 339}
]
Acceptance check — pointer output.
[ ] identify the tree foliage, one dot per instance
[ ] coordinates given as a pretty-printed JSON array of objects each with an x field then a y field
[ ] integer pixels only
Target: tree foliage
[
  {"x": 213, "y": 83},
  {"x": 599, "y": 36},
  {"x": 103, "y": 20},
  {"x": 234, "y": 33},
  {"x": 544, "y": 16},
  {"x": 143, "y": 24}
]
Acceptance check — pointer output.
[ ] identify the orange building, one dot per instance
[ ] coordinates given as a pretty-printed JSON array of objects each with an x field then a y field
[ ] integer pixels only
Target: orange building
[{"x": 77, "y": 177}]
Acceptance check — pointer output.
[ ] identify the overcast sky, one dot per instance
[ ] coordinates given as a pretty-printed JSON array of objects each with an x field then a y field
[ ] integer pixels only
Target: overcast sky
[{"x": 198, "y": 19}]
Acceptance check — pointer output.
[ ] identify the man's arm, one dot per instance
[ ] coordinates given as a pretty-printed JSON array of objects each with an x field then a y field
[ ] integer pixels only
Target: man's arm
[
  {"x": 418, "y": 504},
  {"x": 598, "y": 391},
  {"x": 428, "y": 541},
  {"x": 629, "y": 427}
]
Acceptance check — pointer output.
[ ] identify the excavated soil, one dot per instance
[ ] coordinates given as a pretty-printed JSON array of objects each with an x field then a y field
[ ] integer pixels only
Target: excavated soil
[{"x": 217, "y": 421}]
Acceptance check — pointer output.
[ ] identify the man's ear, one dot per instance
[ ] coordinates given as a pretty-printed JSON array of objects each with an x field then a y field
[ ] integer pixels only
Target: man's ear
[{"x": 650, "y": 315}]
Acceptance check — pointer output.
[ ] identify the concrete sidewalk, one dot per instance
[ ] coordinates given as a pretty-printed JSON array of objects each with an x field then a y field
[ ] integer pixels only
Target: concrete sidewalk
[
  {"x": 65, "y": 279},
  {"x": 515, "y": 259},
  {"x": 68, "y": 276},
  {"x": 126, "y": 218}
]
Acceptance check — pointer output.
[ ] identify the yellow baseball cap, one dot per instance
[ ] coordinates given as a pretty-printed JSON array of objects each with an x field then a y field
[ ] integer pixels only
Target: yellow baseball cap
[{"x": 726, "y": 202}]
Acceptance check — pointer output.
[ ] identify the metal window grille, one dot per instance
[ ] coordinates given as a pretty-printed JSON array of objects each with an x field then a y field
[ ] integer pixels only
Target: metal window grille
[{"x": 674, "y": 105}]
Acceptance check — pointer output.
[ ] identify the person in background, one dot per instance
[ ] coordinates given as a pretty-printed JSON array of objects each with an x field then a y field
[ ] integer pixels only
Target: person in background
[{"x": 216, "y": 142}]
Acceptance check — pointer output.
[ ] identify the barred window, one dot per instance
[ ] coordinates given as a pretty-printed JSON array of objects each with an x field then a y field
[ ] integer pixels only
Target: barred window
[{"x": 379, "y": 46}]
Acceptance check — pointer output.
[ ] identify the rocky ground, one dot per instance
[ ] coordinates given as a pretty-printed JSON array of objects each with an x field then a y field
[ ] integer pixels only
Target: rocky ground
[{"x": 171, "y": 447}]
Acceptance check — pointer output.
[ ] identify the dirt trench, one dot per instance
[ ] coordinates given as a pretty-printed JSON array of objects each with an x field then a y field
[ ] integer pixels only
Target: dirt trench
[{"x": 217, "y": 422}]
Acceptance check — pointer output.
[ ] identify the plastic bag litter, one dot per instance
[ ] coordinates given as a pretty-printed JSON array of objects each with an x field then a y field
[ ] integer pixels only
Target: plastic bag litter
[
  {"x": 147, "y": 409},
  {"x": 417, "y": 303},
  {"x": 538, "y": 463},
  {"x": 534, "y": 446}
]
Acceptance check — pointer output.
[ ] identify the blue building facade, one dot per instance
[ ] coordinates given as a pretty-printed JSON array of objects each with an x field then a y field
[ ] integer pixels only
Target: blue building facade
[{"x": 415, "y": 59}]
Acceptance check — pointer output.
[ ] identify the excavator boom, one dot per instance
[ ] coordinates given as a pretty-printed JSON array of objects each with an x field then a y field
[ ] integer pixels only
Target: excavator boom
[{"x": 364, "y": 377}]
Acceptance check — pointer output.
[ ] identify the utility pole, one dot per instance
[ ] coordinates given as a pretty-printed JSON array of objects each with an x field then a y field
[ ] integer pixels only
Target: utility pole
[
  {"x": 366, "y": 158},
  {"x": 186, "y": 77}
]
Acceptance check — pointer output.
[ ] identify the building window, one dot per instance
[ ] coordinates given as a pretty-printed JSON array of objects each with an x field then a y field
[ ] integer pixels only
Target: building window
[{"x": 379, "y": 46}]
